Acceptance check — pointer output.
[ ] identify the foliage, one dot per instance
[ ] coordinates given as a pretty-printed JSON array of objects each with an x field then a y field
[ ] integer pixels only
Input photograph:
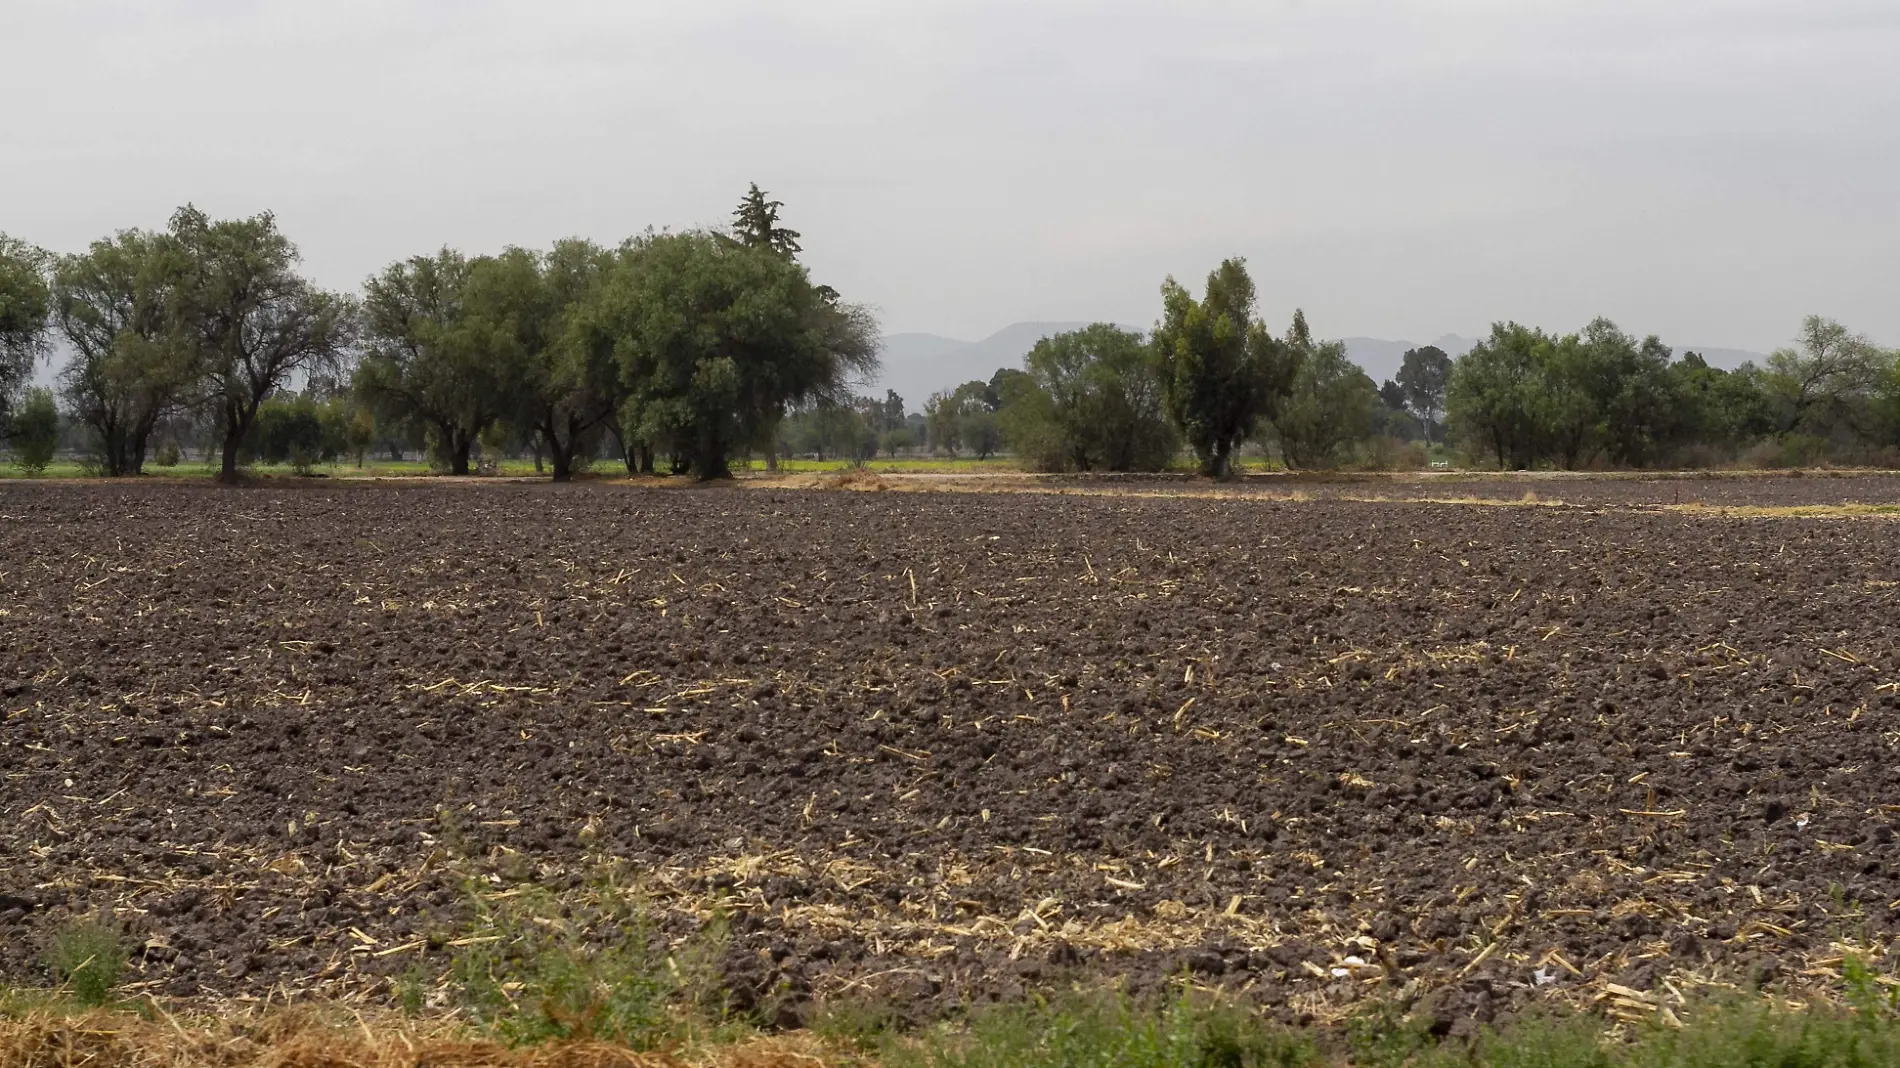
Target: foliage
[
  {"x": 1826, "y": 380},
  {"x": 1497, "y": 395},
  {"x": 35, "y": 431},
  {"x": 717, "y": 339},
  {"x": 1333, "y": 403},
  {"x": 249, "y": 320},
  {"x": 892, "y": 442},
  {"x": 116, "y": 308},
  {"x": 25, "y": 312},
  {"x": 1098, "y": 391},
  {"x": 1221, "y": 371},
  {"x": 1423, "y": 376},
  {"x": 298, "y": 431},
  {"x": 1531, "y": 398},
  {"x": 543, "y": 312},
  {"x": 755, "y": 224},
  {"x": 538, "y": 969},
  {"x": 962, "y": 418},
  {"x": 87, "y": 957},
  {"x": 428, "y": 360}
]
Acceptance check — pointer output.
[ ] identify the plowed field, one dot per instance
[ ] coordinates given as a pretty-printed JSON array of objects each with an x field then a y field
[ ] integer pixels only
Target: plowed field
[{"x": 946, "y": 746}]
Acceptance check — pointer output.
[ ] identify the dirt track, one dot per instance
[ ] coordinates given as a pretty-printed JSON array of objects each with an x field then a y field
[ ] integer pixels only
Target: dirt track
[{"x": 956, "y": 745}]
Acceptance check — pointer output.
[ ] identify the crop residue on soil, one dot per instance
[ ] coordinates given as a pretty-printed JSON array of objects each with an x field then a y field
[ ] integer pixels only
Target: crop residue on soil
[{"x": 943, "y": 746}]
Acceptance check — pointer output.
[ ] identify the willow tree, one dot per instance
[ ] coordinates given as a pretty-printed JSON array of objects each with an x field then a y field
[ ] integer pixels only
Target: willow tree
[
  {"x": 539, "y": 308},
  {"x": 716, "y": 338}
]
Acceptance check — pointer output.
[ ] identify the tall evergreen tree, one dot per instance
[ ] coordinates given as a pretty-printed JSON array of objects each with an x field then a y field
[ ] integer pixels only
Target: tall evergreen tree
[{"x": 755, "y": 224}]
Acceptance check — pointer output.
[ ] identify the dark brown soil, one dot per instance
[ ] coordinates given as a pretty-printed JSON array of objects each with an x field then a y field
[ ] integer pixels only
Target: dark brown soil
[{"x": 950, "y": 746}]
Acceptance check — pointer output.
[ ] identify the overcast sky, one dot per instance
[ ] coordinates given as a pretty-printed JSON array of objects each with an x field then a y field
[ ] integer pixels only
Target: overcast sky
[{"x": 1710, "y": 170}]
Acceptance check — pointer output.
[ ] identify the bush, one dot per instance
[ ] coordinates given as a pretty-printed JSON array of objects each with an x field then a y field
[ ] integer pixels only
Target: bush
[
  {"x": 593, "y": 968},
  {"x": 169, "y": 454},
  {"x": 1793, "y": 450},
  {"x": 88, "y": 957},
  {"x": 1386, "y": 453},
  {"x": 36, "y": 431}
]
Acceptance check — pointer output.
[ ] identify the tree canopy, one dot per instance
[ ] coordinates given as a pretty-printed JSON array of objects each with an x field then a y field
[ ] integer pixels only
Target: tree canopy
[{"x": 25, "y": 312}]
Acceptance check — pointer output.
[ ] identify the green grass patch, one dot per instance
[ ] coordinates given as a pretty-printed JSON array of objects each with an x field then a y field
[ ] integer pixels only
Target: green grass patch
[{"x": 536, "y": 967}]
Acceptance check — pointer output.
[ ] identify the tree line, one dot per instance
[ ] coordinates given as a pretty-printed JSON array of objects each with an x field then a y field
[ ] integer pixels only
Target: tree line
[
  {"x": 1212, "y": 377},
  {"x": 692, "y": 349},
  {"x": 691, "y": 346}
]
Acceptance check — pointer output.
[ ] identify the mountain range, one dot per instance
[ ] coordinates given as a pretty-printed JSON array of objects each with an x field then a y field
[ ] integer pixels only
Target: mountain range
[{"x": 918, "y": 365}]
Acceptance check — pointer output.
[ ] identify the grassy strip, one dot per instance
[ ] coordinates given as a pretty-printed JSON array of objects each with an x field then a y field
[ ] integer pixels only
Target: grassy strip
[
  {"x": 581, "y": 979},
  {"x": 1081, "y": 1032}
]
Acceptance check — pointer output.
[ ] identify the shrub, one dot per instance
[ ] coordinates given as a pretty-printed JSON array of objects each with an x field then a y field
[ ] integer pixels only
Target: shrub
[
  {"x": 593, "y": 968},
  {"x": 87, "y": 956},
  {"x": 36, "y": 431}
]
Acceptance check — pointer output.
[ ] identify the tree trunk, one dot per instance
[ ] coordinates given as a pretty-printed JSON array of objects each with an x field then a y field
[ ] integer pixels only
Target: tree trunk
[
  {"x": 561, "y": 457},
  {"x": 458, "y": 456},
  {"x": 228, "y": 468},
  {"x": 646, "y": 458}
]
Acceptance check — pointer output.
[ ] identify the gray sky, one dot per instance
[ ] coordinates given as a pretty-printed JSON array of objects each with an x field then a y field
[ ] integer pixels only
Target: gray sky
[{"x": 1710, "y": 170}]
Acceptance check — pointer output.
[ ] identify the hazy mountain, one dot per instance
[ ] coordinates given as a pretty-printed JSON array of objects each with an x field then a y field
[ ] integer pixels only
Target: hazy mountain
[
  {"x": 917, "y": 365},
  {"x": 1381, "y": 359}
]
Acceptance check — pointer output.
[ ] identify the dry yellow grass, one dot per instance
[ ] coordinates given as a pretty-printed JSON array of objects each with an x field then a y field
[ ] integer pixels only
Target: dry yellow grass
[{"x": 308, "y": 1039}]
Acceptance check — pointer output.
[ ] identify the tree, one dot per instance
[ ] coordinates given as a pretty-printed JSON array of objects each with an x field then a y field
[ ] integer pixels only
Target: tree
[
  {"x": 290, "y": 430},
  {"x": 1221, "y": 371},
  {"x": 428, "y": 360},
  {"x": 981, "y": 430},
  {"x": 891, "y": 412},
  {"x": 998, "y": 386},
  {"x": 250, "y": 320},
  {"x": 25, "y": 311},
  {"x": 943, "y": 414},
  {"x": 896, "y": 440},
  {"x": 718, "y": 338},
  {"x": 35, "y": 431},
  {"x": 1497, "y": 395},
  {"x": 1423, "y": 375},
  {"x": 1628, "y": 396},
  {"x": 1333, "y": 403},
  {"x": 1105, "y": 398},
  {"x": 544, "y": 308},
  {"x": 755, "y": 225},
  {"x": 116, "y": 306},
  {"x": 1824, "y": 380},
  {"x": 1718, "y": 407}
]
